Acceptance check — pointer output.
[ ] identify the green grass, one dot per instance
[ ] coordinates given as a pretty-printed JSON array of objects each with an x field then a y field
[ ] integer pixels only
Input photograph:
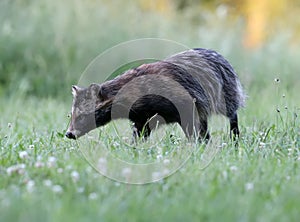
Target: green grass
[{"x": 258, "y": 181}]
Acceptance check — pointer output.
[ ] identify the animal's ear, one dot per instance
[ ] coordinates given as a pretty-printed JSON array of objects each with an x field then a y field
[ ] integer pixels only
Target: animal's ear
[
  {"x": 95, "y": 89},
  {"x": 103, "y": 95},
  {"x": 98, "y": 91},
  {"x": 75, "y": 90}
]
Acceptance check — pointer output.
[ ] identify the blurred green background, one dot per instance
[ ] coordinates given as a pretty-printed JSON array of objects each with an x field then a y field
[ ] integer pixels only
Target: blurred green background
[{"x": 46, "y": 45}]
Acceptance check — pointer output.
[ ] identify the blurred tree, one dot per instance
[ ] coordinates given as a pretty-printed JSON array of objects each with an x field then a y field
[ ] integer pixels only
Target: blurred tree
[
  {"x": 262, "y": 17},
  {"x": 162, "y": 6},
  {"x": 259, "y": 16}
]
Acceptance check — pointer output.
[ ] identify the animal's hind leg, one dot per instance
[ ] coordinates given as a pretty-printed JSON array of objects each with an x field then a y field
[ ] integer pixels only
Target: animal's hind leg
[
  {"x": 203, "y": 131},
  {"x": 234, "y": 127}
]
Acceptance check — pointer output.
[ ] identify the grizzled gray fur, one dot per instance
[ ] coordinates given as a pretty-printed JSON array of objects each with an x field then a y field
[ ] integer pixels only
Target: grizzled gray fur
[{"x": 185, "y": 88}]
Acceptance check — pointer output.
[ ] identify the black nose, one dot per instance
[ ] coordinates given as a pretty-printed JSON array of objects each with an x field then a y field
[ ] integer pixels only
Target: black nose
[{"x": 70, "y": 135}]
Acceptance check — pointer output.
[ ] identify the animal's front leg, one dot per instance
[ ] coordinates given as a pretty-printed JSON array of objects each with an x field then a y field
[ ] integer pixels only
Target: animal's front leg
[
  {"x": 141, "y": 130},
  {"x": 196, "y": 130}
]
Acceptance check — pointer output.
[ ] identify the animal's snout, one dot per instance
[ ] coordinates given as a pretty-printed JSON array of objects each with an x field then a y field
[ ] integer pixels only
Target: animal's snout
[{"x": 70, "y": 135}]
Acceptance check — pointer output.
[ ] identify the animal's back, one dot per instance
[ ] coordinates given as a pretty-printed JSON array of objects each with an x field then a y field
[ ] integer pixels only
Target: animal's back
[{"x": 216, "y": 77}]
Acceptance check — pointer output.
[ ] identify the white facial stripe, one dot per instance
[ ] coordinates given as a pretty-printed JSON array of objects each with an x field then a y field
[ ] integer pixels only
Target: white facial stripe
[{"x": 74, "y": 92}]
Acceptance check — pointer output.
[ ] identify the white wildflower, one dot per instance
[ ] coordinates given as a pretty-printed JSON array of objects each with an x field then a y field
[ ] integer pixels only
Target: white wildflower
[
  {"x": 249, "y": 186},
  {"x": 23, "y": 155},
  {"x": 89, "y": 169},
  {"x": 166, "y": 161},
  {"x": 80, "y": 189},
  {"x": 96, "y": 175},
  {"x": 233, "y": 168},
  {"x": 166, "y": 172},
  {"x": 156, "y": 176},
  {"x": 57, "y": 189},
  {"x": 102, "y": 165},
  {"x": 126, "y": 172},
  {"x": 60, "y": 170},
  {"x": 47, "y": 183},
  {"x": 262, "y": 145},
  {"x": 51, "y": 162},
  {"x": 116, "y": 144},
  {"x": 39, "y": 164},
  {"x": 30, "y": 186},
  {"x": 159, "y": 157},
  {"x": 93, "y": 196},
  {"x": 221, "y": 146},
  {"x": 75, "y": 176},
  {"x": 225, "y": 175},
  {"x": 18, "y": 169}
]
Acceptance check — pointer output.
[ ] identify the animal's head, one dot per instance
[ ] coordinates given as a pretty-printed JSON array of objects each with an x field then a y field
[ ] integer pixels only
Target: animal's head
[{"x": 90, "y": 109}]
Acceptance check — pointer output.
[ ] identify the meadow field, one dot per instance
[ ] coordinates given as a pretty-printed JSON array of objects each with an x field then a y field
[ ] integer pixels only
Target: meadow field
[{"x": 44, "y": 48}]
